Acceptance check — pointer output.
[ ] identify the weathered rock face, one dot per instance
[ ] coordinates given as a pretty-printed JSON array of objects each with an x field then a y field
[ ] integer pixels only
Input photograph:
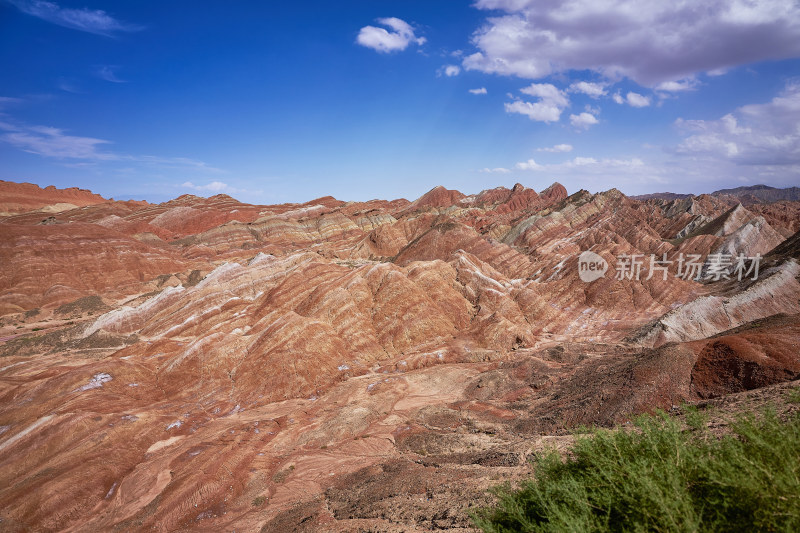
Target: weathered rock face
[
  {"x": 783, "y": 216},
  {"x": 746, "y": 360},
  {"x": 206, "y": 364},
  {"x": 49, "y": 265}
]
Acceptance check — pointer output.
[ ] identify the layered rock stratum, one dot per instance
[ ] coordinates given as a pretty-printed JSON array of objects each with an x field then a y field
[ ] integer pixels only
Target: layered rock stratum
[{"x": 205, "y": 364}]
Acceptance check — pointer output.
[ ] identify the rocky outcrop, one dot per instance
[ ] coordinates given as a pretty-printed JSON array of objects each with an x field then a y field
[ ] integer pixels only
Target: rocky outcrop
[
  {"x": 754, "y": 237},
  {"x": 554, "y": 193},
  {"x": 436, "y": 197}
]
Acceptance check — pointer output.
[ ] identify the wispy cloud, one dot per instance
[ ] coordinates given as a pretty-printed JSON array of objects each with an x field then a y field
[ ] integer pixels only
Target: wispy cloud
[
  {"x": 214, "y": 186},
  {"x": 53, "y": 142},
  {"x": 94, "y": 21},
  {"x": 632, "y": 174},
  {"x": 178, "y": 163},
  {"x": 559, "y": 148},
  {"x": 8, "y": 100},
  {"x": 481, "y": 90},
  {"x": 497, "y": 170},
  {"x": 68, "y": 85},
  {"x": 588, "y": 168},
  {"x": 756, "y": 134},
  {"x": 382, "y": 40},
  {"x": 74, "y": 150},
  {"x": 107, "y": 72}
]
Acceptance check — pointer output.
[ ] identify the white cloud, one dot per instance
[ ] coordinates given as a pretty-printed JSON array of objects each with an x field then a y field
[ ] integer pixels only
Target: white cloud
[
  {"x": 538, "y": 111},
  {"x": 214, "y": 186},
  {"x": 756, "y": 143},
  {"x": 89, "y": 20},
  {"x": 498, "y": 170},
  {"x": 589, "y": 171},
  {"x": 756, "y": 134},
  {"x": 450, "y": 70},
  {"x": 594, "y": 90},
  {"x": 584, "y": 120},
  {"x": 547, "y": 109},
  {"x": 677, "y": 86},
  {"x": 482, "y": 90},
  {"x": 382, "y": 40},
  {"x": 559, "y": 148},
  {"x": 648, "y": 41},
  {"x": 547, "y": 92},
  {"x": 592, "y": 167},
  {"x": 530, "y": 164},
  {"x": 632, "y": 99},
  {"x": 637, "y": 100},
  {"x": 629, "y": 173}
]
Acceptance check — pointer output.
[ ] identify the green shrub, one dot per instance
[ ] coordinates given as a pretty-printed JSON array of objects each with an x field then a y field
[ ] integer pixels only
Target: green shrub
[
  {"x": 794, "y": 396},
  {"x": 658, "y": 477}
]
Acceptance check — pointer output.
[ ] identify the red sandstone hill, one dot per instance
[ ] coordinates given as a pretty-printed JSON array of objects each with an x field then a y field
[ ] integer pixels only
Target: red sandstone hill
[
  {"x": 21, "y": 197},
  {"x": 206, "y": 364}
]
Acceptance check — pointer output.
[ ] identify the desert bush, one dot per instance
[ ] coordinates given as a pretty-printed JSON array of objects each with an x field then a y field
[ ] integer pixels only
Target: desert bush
[{"x": 659, "y": 476}]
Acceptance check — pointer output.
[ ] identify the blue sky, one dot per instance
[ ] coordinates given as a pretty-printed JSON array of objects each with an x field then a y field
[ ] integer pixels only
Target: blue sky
[{"x": 272, "y": 102}]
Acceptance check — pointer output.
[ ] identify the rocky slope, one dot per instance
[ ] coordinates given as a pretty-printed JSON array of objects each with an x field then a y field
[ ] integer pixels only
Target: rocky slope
[{"x": 205, "y": 364}]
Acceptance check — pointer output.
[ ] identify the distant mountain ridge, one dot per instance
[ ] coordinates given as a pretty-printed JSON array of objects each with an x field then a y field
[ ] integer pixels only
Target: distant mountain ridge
[
  {"x": 754, "y": 194},
  {"x": 761, "y": 194},
  {"x": 668, "y": 196}
]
